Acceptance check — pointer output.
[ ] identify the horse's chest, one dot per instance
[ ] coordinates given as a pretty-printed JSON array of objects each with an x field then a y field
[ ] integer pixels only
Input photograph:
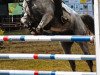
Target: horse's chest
[
  {"x": 37, "y": 9},
  {"x": 37, "y": 12}
]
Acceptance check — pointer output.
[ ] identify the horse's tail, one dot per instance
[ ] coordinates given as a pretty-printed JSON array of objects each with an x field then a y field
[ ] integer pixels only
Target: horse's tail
[{"x": 89, "y": 22}]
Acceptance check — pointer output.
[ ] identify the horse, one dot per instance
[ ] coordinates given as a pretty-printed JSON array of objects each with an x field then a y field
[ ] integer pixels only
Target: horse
[{"x": 40, "y": 16}]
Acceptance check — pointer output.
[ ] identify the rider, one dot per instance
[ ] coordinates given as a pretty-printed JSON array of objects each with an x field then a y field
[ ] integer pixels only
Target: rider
[{"x": 59, "y": 11}]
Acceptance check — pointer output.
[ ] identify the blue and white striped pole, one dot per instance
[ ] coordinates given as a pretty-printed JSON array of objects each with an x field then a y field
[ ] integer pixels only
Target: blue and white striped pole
[
  {"x": 30, "y": 72},
  {"x": 46, "y": 38},
  {"x": 48, "y": 56}
]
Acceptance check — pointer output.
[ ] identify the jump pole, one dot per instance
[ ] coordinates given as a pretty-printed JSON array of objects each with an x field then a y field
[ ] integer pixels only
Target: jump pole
[
  {"x": 47, "y": 56},
  {"x": 97, "y": 33},
  {"x": 46, "y": 38},
  {"x": 30, "y": 72}
]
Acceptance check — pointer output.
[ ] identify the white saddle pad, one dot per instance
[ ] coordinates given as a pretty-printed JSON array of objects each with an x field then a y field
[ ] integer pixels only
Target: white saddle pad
[{"x": 68, "y": 9}]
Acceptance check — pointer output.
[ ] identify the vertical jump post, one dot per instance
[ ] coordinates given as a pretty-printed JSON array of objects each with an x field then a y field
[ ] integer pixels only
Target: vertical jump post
[{"x": 97, "y": 33}]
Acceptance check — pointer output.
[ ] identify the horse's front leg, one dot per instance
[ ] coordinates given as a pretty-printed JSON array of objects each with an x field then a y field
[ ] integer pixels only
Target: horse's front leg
[
  {"x": 25, "y": 20},
  {"x": 44, "y": 21}
]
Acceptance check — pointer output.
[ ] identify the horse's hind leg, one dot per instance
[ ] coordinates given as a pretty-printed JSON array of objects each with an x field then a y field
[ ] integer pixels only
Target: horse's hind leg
[
  {"x": 67, "y": 49},
  {"x": 85, "y": 49}
]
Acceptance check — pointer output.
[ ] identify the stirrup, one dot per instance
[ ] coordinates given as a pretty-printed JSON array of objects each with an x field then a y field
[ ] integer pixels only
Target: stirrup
[{"x": 63, "y": 20}]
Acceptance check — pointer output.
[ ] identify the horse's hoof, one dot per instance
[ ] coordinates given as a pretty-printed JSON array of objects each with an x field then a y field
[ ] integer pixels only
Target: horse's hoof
[
  {"x": 33, "y": 33},
  {"x": 39, "y": 30}
]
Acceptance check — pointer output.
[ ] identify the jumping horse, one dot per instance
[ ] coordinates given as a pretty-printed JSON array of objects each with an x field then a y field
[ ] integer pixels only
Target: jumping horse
[{"x": 40, "y": 17}]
